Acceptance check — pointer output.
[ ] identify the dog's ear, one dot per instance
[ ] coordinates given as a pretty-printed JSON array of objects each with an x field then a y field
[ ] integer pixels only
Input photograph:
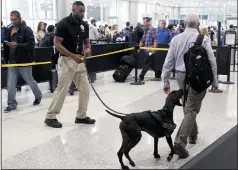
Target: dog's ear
[
  {"x": 180, "y": 91},
  {"x": 178, "y": 103}
]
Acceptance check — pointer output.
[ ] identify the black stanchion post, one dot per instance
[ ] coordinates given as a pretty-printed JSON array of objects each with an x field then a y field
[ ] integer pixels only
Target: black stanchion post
[
  {"x": 234, "y": 59},
  {"x": 136, "y": 55},
  {"x": 228, "y": 68}
]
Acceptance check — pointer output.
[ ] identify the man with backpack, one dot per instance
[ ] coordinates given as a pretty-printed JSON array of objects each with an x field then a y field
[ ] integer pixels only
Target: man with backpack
[{"x": 191, "y": 55}]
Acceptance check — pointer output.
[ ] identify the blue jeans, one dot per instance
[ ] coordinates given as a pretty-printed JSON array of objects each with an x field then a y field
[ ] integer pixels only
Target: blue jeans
[{"x": 12, "y": 77}]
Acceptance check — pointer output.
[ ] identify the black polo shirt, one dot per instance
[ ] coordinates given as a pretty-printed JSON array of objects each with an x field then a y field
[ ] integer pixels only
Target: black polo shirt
[{"x": 73, "y": 32}]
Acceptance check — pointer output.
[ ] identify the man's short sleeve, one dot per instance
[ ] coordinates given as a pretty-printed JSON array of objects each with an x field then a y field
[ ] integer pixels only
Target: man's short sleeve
[
  {"x": 86, "y": 31},
  {"x": 61, "y": 29}
]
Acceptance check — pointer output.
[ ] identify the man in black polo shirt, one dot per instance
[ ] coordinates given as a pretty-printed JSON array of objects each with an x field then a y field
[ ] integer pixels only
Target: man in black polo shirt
[{"x": 71, "y": 36}]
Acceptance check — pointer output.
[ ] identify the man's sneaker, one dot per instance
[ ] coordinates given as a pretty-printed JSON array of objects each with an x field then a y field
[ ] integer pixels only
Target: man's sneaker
[
  {"x": 8, "y": 109},
  {"x": 155, "y": 79},
  {"x": 54, "y": 123},
  {"x": 87, "y": 120},
  {"x": 193, "y": 139},
  {"x": 37, "y": 102},
  {"x": 180, "y": 151}
]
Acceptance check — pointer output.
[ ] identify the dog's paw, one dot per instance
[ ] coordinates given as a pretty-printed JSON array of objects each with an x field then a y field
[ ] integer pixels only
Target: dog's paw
[
  {"x": 157, "y": 156},
  {"x": 132, "y": 164},
  {"x": 125, "y": 167},
  {"x": 169, "y": 158}
]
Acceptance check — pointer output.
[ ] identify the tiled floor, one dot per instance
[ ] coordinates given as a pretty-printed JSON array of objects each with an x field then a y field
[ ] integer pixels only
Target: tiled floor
[{"x": 28, "y": 143}]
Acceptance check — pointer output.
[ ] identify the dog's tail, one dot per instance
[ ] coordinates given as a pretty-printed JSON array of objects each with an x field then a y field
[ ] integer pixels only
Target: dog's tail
[{"x": 115, "y": 115}]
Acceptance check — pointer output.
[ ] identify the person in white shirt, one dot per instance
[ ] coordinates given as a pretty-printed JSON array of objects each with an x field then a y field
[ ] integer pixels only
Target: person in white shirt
[
  {"x": 93, "y": 31},
  {"x": 175, "y": 58}
]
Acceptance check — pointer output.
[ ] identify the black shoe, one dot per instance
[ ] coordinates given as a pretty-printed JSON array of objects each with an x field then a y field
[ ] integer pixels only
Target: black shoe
[
  {"x": 71, "y": 92},
  {"x": 8, "y": 109},
  {"x": 193, "y": 139},
  {"x": 54, "y": 123},
  {"x": 180, "y": 151},
  {"x": 141, "y": 78},
  {"x": 18, "y": 88},
  {"x": 37, "y": 102},
  {"x": 85, "y": 121}
]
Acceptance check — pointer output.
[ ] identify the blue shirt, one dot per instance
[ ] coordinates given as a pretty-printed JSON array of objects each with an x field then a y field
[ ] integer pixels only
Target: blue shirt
[{"x": 164, "y": 36}]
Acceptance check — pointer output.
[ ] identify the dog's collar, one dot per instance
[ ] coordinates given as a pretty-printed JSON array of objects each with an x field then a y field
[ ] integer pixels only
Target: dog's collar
[{"x": 165, "y": 125}]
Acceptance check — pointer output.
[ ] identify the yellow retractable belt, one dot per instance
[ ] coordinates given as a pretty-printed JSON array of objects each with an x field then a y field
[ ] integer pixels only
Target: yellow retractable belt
[
  {"x": 48, "y": 62},
  {"x": 26, "y": 64},
  {"x": 99, "y": 55}
]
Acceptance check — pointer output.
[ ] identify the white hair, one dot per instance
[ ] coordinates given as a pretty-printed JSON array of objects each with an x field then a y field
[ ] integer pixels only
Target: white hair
[{"x": 192, "y": 20}]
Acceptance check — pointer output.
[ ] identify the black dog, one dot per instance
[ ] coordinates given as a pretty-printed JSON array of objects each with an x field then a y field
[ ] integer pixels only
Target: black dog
[{"x": 158, "y": 124}]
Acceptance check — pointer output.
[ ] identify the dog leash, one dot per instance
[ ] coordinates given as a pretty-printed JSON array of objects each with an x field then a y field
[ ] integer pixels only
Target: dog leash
[{"x": 96, "y": 91}]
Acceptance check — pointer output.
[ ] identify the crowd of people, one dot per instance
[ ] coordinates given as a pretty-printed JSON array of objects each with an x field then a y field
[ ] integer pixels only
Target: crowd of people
[{"x": 72, "y": 40}]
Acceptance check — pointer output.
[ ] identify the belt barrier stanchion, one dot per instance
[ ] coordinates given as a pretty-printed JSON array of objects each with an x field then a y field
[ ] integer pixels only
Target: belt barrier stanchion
[
  {"x": 136, "y": 55},
  {"x": 228, "y": 68},
  {"x": 234, "y": 59}
]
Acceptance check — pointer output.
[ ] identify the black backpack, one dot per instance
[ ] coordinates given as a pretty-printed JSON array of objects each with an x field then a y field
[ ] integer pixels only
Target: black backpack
[{"x": 199, "y": 74}]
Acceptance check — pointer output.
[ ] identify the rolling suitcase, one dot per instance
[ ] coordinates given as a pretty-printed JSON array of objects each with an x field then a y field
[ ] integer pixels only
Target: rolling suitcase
[
  {"x": 121, "y": 73},
  {"x": 53, "y": 79}
]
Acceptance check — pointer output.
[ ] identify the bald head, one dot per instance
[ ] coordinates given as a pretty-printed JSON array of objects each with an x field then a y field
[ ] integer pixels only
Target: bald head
[{"x": 192, "y": 21}]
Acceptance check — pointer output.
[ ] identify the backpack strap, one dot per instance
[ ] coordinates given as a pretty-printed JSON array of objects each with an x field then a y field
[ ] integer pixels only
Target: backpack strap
[{"x": 199, "y": 39}]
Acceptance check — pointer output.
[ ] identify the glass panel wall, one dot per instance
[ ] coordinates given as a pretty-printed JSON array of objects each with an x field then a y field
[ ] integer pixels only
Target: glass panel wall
[
  {"x": 141, "y": 11},
  {"x": 32, "y": 11}
]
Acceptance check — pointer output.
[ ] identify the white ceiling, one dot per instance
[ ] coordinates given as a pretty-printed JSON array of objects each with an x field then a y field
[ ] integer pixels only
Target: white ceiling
[{"x": 221, "y": 6}]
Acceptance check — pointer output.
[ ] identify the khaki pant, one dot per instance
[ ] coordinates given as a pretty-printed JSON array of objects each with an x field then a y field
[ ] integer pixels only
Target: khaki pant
[
  {"x": 192, "y": 107},
  {"x": 70, "y": 71}
]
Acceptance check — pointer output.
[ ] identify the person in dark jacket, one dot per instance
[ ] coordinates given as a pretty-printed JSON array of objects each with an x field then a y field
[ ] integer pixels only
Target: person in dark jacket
[
  {"x": 3, "y": 32},
  {"x": 48, "y": 40},
  {"x": 19, "y": 50}
]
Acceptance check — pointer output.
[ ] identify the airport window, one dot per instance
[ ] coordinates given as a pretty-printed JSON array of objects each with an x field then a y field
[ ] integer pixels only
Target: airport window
[
  {"x": 122, "y": 12},
  {"x": 141, "y": 11}
]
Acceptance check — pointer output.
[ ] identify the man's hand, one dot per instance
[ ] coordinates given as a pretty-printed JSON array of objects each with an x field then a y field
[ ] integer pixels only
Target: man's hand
[
  {"x": 166, "y": 90},
  {"x": 12, "y": 44},
  {"x": 78, "y": 58},
  {"x": 87, "y": 52}
]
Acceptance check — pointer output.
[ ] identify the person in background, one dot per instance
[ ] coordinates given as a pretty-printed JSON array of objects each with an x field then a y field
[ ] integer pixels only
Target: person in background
[
  {"x": 131, "y": 28},
  {"x": 41, "y": 31},
  {"x": 114, "y": 30},
  {"x": 175, "y": 57},
  {"x": 149, "y": 39},
  {"x": 20, "y": 50},
  {"x": 107, "y": 31},
  {"x": 48, "y": 40},
  {"x": 204, "y": 31},
  {"x": 181, "y": 28},
  {"x": 164, "y": 34},
  {"x": 93, "y": 31},
  {"x": 138, "y": 32},
  {"x": 127, "y": 25},
  {"x": 3, "y": 32},
  {"x": 72, "y": 50},
  {"x": 211, "y": 35}
]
